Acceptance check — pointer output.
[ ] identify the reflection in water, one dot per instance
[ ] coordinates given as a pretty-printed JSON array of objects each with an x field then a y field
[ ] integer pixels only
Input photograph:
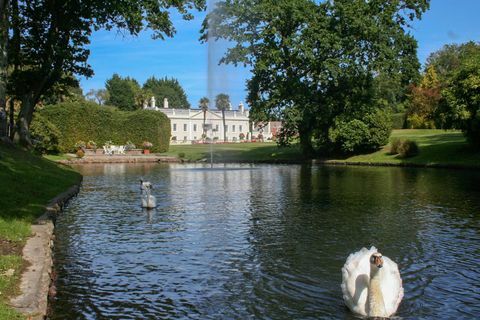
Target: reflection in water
[{"x": 263, "y": 242}]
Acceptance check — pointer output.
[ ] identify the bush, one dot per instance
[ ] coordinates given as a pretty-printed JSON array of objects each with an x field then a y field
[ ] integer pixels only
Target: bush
[
  {"x": 415, "y": 121},
  {"x": 394, "y": 145},
  {"x": 181, "y": 155},
  {"x": 80, "y": 153},
  {"x": 349, "y": 136},
  {"x": 398, "y": 120},
  {"x": 407, "y": 148},
  {"x": 44, "y": 135},
  {"x": 91, "y": 145},
  {"x": 89, "y": 121},
  {"x": 364, "y": 135}
]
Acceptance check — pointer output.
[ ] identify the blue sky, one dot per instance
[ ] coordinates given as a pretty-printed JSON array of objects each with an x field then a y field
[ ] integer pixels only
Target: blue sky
[{"x": 185, "y": 58}]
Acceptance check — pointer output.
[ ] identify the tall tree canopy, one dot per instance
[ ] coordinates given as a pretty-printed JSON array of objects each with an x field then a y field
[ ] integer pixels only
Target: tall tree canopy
[
  {"x": 313, "y": 62},
  {"x": 123, "y": 93},
  {"x": 50, "y": 38},
  {"x": 170, "y": 89}
]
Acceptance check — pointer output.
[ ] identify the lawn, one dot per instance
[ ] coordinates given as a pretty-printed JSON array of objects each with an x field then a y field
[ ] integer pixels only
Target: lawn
[
  {"x": 27, "y": 184},
  {"x": 437, "y": 147},
  {"x": 237, "y": 152}
]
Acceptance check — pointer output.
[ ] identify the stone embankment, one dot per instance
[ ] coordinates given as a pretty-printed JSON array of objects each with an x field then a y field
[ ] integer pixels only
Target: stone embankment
[
  {"x": 119, "y": 159},
  {"x": 37, "y": 278}
]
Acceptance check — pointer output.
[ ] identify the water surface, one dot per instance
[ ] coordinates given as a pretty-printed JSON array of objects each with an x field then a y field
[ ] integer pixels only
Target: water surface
[{"x": 264, "y": 241}]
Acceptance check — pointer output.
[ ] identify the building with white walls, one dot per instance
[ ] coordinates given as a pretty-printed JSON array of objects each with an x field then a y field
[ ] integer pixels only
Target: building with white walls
[{"x": 187, "y": 124}]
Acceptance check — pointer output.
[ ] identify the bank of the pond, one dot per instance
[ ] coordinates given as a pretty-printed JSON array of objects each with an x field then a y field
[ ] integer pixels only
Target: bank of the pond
[
  {"x": 28, "y": 183},
  {"x": 438, "y": 148},
  {"x": 117, "y": 159}
]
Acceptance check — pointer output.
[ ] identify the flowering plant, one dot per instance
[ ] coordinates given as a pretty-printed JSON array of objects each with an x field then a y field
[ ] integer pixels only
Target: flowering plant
[{"x": 147, "y": 145}]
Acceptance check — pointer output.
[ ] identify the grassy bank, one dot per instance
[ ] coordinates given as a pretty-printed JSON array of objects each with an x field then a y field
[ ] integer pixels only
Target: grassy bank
[
  {"x": 437, "y": 147},
  {"x": 241, "y": 152},
  {"x": 27, "y": 183}
]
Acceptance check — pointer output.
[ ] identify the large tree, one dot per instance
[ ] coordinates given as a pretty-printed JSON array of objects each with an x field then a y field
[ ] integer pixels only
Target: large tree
[
  {"x": 170, "y": 89},
  {"x": 50, "y": 38},
  {"x": 123, "y": 93},
  {"x": 222, "y": 103},
  {"x": 203, "y": 103},
  {"x": 4, "y": 4},
  {"x": 313, "y": 62}
]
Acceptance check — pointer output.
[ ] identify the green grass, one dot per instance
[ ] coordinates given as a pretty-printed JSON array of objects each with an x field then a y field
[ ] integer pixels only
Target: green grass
[
  {"x": 237, "y": 152},
  {"x": 437, "y": 147},
  {"x": 27, "y": 184},
  {"x": 56, "y": 157}
]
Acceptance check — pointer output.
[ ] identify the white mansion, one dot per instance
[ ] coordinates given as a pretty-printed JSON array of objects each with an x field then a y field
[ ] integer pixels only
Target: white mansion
[{"x": 187, "y": 124}]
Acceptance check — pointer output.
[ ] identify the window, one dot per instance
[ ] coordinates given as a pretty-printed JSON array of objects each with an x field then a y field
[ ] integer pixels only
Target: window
[
  {"x": 184, "y": 127},
  {"x": 233, "y": 128},
  {"x": 216, "y": 127},
  {"x": 226, "y": 128},
  {"x": 185, "y": 138},
  {"x": 240, "y": 128},
  {"x": 174, "y": 127},
  {"x": 194, "y": 127}
]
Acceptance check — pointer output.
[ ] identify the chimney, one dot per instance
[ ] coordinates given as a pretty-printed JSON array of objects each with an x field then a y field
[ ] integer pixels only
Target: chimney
[
  {"x": 241, "y": 108},
  {"x": 165, "y": 103}
]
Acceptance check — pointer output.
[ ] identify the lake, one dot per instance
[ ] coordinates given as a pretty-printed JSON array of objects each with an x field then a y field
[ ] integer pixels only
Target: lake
[{"x": 263, "y": 241}]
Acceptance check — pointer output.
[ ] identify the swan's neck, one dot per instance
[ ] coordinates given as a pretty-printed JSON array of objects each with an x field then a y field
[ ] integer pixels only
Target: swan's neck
[{"x": 376, "y": 305}]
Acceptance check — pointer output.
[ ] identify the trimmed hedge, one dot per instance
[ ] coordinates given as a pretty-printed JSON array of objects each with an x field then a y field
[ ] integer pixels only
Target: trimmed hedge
[{"x": 89, "y": 121}]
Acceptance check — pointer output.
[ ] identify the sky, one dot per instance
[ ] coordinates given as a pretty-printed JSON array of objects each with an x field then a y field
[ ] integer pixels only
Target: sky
[{"x": 183, "y": 57}]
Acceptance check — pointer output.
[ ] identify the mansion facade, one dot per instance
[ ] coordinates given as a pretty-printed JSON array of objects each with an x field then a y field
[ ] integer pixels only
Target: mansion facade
[{"x": 187, "y": 124}]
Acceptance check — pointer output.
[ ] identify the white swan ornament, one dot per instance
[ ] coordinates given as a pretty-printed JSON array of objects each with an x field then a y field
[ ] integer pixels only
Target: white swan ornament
[
  {"x": 148, "y": 200},
  {"x": 371, "y": 284}
]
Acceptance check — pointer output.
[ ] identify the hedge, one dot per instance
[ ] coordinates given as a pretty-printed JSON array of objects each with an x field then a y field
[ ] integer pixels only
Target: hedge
[{"x": 88, "y": 121}]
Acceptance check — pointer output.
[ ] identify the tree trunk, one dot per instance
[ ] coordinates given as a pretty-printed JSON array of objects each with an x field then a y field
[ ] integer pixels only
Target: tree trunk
[
  {"x": 11, "y": 115},
  {"x": 3, "y": 65},
  {"x": 224, "y": 126},
  {"x": 306, "y": 143},
  {"x": 24, "y": 119},
  {"x": 204, "y": 136}
]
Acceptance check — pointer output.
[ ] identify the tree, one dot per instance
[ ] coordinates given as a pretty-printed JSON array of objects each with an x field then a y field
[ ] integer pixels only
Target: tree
[
  {"x": 424, "y": 101},
  {"x": 100, "y": 96},
  {"x": 222, "y": 102},
  {"x": 204, "y": 102},
  {"x": 168, "y": 88},
  {"x": 54, "y": 35},
  {"x": 4, "y": 4},
  {"x": 315, "y": 61},
  {"x": 123, "y": 92},
  {"x": 461, "y": 107}
]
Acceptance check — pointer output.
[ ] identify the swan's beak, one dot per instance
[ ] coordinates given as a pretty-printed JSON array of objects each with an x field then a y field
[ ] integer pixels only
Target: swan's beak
[{"x": 377, "y": 261}]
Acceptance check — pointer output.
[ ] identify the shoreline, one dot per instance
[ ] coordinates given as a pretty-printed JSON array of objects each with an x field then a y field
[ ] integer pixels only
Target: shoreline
[{"x": 36, "y": 280}]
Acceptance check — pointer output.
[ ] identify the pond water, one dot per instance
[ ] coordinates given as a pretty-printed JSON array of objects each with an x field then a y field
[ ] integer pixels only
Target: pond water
[{"x": 264, "y": 241}]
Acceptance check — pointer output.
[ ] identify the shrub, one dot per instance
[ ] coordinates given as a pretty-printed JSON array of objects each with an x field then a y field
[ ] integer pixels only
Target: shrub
[
  {"x": 394, "y": 145},
  {"x": 80, "y": 144},
  {"x": 398, "y": 120},
  {"x": 241, "y": 136},
  {"x": 89, "y": 121},
  {"x": 407, "y": 148},
  {"x": 129, "y": 145},
  {"x": 364, "y": 135},
  {"x": 349, "y": 136},
  {"x": 147, "y": 145},
  {"x": 44, "y": 135},
  {"x": 415, "y": 121},
  {"x": 80, "y": 153},
  {"x": 91, "y": 145},
  {"x": 181, "y": 155}
]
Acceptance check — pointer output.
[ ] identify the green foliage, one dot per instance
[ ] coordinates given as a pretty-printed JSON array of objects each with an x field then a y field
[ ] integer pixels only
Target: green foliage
[
  {"x": 398, "y": 120},
  {"x": 416, "y": 121},
  {"x": 80, "y": 153},
  {"x": 349, "y": 137},
  {"x": 314, "y": 61},
  {"x": 89, "y": 121},
  {"x": 122, "y": 92},
  {"x": 48, "y": 39},
  {"x": 364, "y": 135},
  {"x": 461, "y": 108},
  {"x": 167, "y": 88},
  {"x": 407, "y": 148},
  {"x": 45, "y": 136},
  {"x": 394, "y": 145}
]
